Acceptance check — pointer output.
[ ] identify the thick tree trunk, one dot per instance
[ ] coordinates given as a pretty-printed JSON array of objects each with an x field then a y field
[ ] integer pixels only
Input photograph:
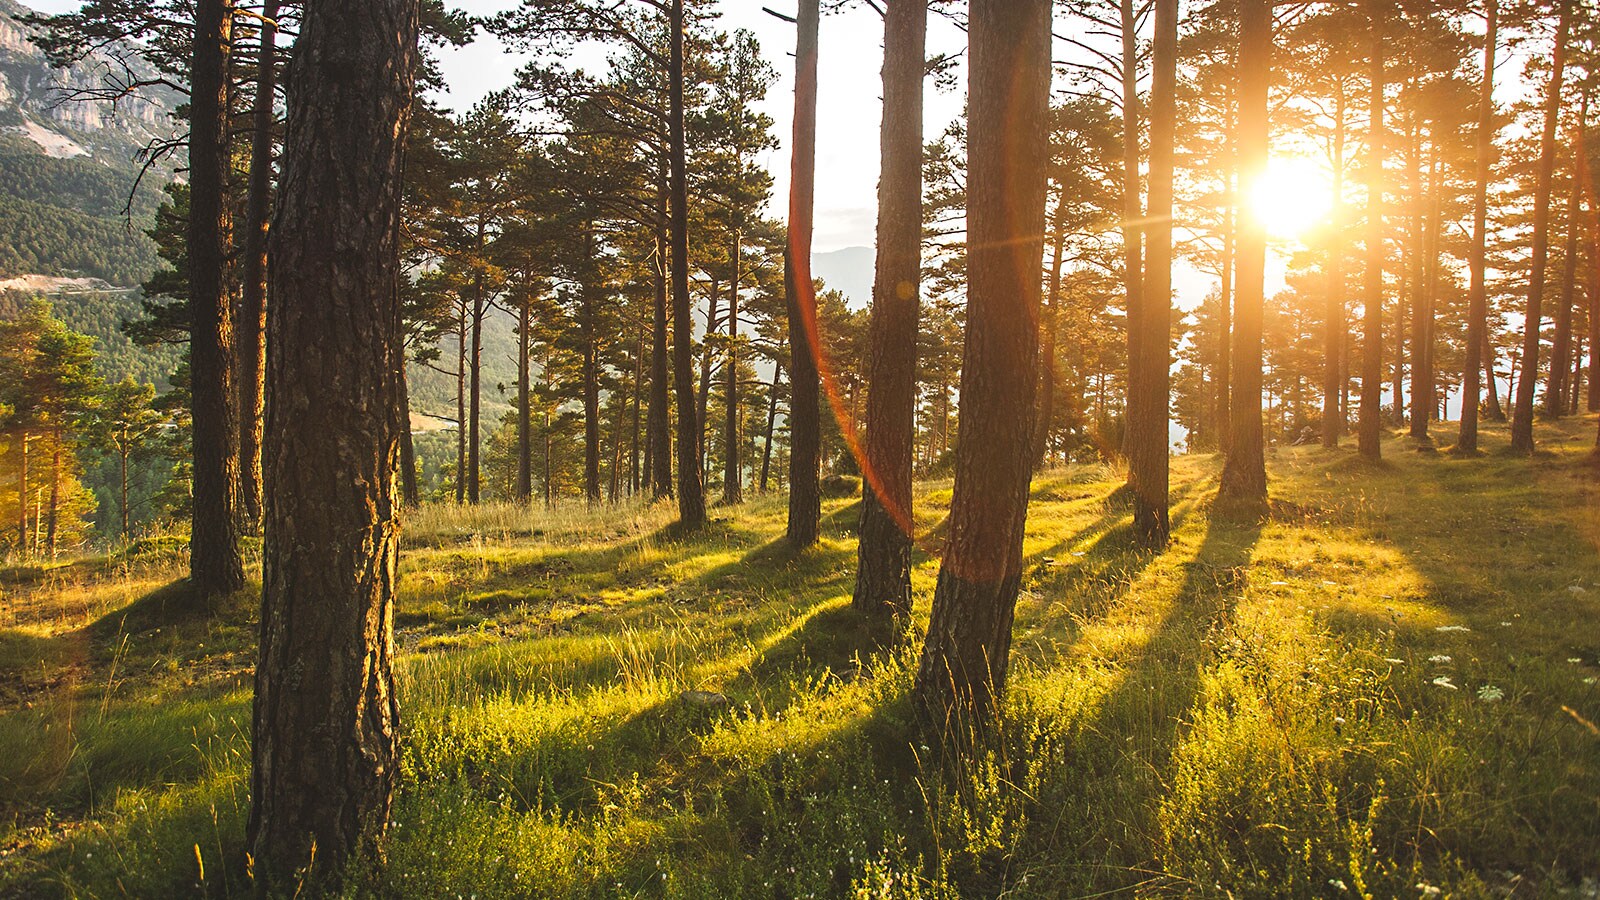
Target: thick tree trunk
[
  {"x": 1370, "y": 427},
  {"x": 883, "y": 570},
  {"x": 805, "y": 414},
  {"x": 325, "y": 753},
  {"x": 1132, "y": 187},
  {"x": 962, "y": 674},
  {"x": 253, "y": 308},
  {"x": 1244, "y": 475},
  {"x": 691, "y": 490},
  {"x": 1477, "y": 290},
  {"x": 1555, "y": 395},
  {"x": 1533, "y": 317},
  {"x": 215, "y": 567},
  {"x": 1150, "y": 331}
]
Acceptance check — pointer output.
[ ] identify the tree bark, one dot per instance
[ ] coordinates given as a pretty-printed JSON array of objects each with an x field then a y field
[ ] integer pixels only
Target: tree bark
[
  {"x": 1423, "y": 392},
  {"x": 1045, "y": 418},
  {"x": 1335, "y": 324},
  {"x": 22, "y": 491},
  {"x": 659, "y": 432},
  {"x": 325, "y": 748},
  {"x": 1150, "y": 331},
  {"x": 409, "y": 493},
  {"x": 772, "y": 423},
  {"x": 1477, "y": 291},
  {"x": 702, "y": 420},
  {"x": 475, "y": 387},
  {"x": 1533, "y": 318},
  {"x": 732, "y": 475},
  {"x": 253, "y": 290},
  {"x": 1370, "y": 426},
  {"x": 215, "y": 566},
  {"x": 962, "y": 674},
  {"x": 691, "y": 491},
  {"x": 883, "y": 554},
  {"x": 805, "y": 415},
  {"x": 588, "y": 332},
  {"x": 524, "y": 401},
  {"x": 51, "y": 517},
  {"x": 1244, "y": 474},
  {"x": 461, "y": 402}
]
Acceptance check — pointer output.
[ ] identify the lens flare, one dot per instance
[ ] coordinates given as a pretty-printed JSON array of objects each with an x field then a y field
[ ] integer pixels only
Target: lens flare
[{"x": 1292, "y": 197}]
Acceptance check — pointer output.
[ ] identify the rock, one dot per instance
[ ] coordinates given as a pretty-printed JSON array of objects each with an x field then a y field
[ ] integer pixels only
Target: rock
[{"x": 705, "y": 699}]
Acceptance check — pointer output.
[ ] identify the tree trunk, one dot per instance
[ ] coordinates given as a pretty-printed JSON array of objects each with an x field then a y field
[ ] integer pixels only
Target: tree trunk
[
  {"x": 1561, "y": 348},
  {"x": 461, "y": 402},
  {"x": 1422, "y": 312},
  {"x": 704, "y": 397},
  {"x": 1533, "y": 318},
  {"x": 1149, "y": 369},
  {"x": 588, "y": 333},
  {"x": 1592, "y": 279},
  {"x": 253, "y": 308},
  {"x": 691, "y": 491},
  {"x": 886, "y": 529},
  {"x": 638, "y": 404},
  {"x": 22, "y": 492},
  {"x": 772, "y": 423},
  {"x": 658, "y": 455},
  {"x": 409, "y": 493},
  {"x": 1478, "y": 358},
  {"x": 1045, "y": 418},
  {"x": 962, "y": 674},
  {"x": 325, "y": 748},
  {"x": 1132, "y": 190},
  {"x": 805, "y": 415},
  {"x": 215, "y": 567},
  {"x": 1244, "y": 474},
  {"x": 122, "y": 483},
  {"x": 732, "y": 476},
  {"x": 51, "y": 517},
  {"x": 524, "y": 401},
  {"x": 1370, "y": 436},
  {"x": 475, "y": 388},
  {"x": 1335, "y": 324}
]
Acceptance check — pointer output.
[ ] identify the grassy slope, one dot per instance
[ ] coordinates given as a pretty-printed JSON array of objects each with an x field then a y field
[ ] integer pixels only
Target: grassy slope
[{"x": 1261, "y": 710}]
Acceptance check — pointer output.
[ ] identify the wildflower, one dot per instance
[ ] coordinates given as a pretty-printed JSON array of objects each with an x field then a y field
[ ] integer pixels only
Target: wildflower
[
  {"x": 1338, "y": 720},
  {"x": 1444, "y": 682},
  {"x": 1438, "y": 658},
  {"x": 1591, "y": 680},
  {"x": 1280, "y": 584},
  {"x": 1505, "y": 624},
  {"x": 1428, "y": 890},
  {"x": 1574, "y": 659},
  {"x": 1449, "y": 628},
  {"x": 1576, "y": 589},
  {"x": 1490, "y": 694},
  {"x": 1339, "y": 883}
]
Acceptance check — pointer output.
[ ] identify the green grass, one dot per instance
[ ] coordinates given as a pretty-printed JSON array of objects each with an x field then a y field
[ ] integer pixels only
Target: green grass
[{"x": 1384, "y": 688}]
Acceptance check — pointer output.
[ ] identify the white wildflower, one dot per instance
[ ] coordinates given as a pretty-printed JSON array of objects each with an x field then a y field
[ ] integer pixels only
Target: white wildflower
[
  {"x": 1280, "y": 584},
  {"x": 1428, "y": 890},
  {"x": 1576, "y": 589},
  {"x": 1574, "y": 659},
  {"x": 1444, "y": 682},
  {"x": 1490, "y": 694},
  {"x": 1394, "y": 662},
  {"x": 1450, "y": 628},
  {"x": 1339, "y": 883},
  {"x": 1505, "y": 624},
  {"x": 1438, "y": 658}
]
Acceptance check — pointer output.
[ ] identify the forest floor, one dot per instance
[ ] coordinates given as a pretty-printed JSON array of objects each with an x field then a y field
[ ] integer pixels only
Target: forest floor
[{"x": 1386, "y": 689}]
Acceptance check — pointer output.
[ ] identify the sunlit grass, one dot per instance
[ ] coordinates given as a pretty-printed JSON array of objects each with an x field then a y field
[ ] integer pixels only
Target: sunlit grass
[{"x": 1379, "y": 690}]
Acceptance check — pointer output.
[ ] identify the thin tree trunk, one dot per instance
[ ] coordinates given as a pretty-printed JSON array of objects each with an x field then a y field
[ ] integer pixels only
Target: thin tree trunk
[
  {"x": 1369, "y": 438},
  {"x": 1045, "y": 418},
  {"x": 961, "y": 677},
  {"x": 461, "y": 402},
  {"x": 805, "y": 422},
  {"x": 713, "y": 302},
  {"x": 1561, "y": 348},
  {"x": 1132, "y": 189},
  {"x": 883, "y": 555},
  {"x": 1244, "y": 475},
  {"x": 53, "y": 515},
  {"x": 772, "y": 423},
  {"x": 732, "y": 476},
  {"x": 1533, "y": 319},
  {"x": 409, "y": 493},
  {"x": 589, "y": 334},
  {"x": 691, "y": 491},
  {"x": 122, "y": 506},
  {"x": 1335, "y": 325},
  {"x": 1422, "y": 376},
  {"x": 22, "y": 491},
  {"x": 253, "y": 309},
  {"x": 1478, "y": 358},
  {"x": 475, "y": 388},
  {"x": 215, "y": 566},
  {"x": 524, "y": 401},
  {"x": 325, "y": 749},
  {"x": 634, "y": 484},
  {"x": 1149, "y": 369},
  {"x": 659, "y": 432},
  {"x": 1593, "y": 277}
]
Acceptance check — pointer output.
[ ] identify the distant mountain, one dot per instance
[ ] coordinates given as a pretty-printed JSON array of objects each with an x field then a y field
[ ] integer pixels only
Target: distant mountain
[{"x": 848, "y": 271}]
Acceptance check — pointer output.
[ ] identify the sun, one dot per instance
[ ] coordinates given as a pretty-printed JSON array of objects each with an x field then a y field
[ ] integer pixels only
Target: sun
[{"x": 1292, "y": 197}]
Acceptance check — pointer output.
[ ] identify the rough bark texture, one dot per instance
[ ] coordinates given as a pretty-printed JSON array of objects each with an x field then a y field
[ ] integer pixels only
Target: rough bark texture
[
  {"x": 1370, "y": 426},
  {"x": 1533, "y": 316},
  {"x": 1477, "y": 291},
  {"x": 1150, "y": 319},
  {"x": 215, "y": 567},
  {"x": 1244, "y": 475},
  {"x": 962, "y": 673},
  {"x": 883, "y": 571},
  {"x": 253, "y": 263},
  {"x": 324, "y": 750},
  {"x": 691, "y": 490},
  {"x": 805, "y": 414}
]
